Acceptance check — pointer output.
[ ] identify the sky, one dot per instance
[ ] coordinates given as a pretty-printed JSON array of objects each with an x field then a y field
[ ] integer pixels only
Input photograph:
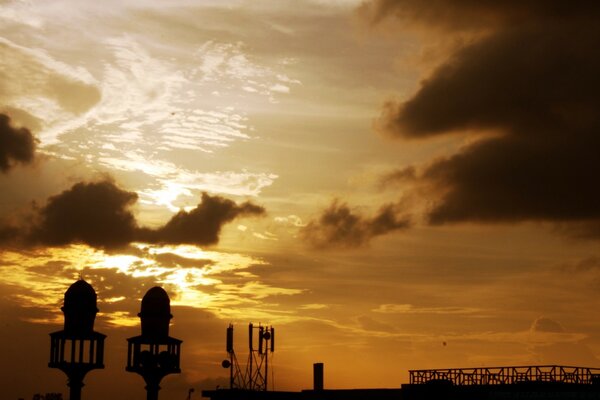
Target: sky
[{"x": 391, "y": 184}]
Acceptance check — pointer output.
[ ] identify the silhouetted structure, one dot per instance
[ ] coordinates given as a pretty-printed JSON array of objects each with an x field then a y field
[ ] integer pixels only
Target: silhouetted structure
[
  {"x": 318, "y": 383},
  {"x": 236, "y": 378},
  {"x": 256, "y": 376},
  {"x": 529, "y": 382},
  {"x": 77, "y": 349},
  {"x": 154, "y": 354},
  {"x": 507, "y": 375}
]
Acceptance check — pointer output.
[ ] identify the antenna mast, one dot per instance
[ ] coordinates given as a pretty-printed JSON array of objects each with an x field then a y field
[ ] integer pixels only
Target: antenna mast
[
  {"x": 236, "y": 380},
  {"x": 257, "y": 369}
]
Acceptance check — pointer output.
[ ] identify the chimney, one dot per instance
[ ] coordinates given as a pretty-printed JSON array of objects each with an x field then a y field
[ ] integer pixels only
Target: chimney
[{"x": 318, "y": 376}]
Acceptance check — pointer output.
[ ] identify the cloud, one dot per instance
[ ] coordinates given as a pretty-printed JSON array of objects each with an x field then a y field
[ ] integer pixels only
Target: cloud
[
  {"x": 95, "y": 213},
  {"x": 411, "y": 309},
  {"x": 591, "y": 263},
  {"x": 543, "y": 324},
  {"x": 525, "y": 86},
  {"x": 550, "y": 343},
  {"x": 17, "y": 145},
  {"x": 203, "y": 224},
  {"x": 367, "y": 323},
  {"x": 339, "y": 226},
  {"x": 402, "y": 175},
  {"x": 48, "y": 89},
  {"x": 473, "y": 14},
  {"x": 98, "y": 214}
]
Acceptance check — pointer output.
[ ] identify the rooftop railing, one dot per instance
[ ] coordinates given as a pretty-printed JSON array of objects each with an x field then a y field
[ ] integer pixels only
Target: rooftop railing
[{"x": 507, "y": 375}]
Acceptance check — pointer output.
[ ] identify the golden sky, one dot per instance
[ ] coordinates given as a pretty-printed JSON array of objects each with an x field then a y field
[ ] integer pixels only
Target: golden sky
[{"x": 392, "y": 184}]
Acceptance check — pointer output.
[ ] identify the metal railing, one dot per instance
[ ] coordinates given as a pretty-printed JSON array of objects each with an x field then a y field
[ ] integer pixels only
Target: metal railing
[{"x": 507, "y": 375}]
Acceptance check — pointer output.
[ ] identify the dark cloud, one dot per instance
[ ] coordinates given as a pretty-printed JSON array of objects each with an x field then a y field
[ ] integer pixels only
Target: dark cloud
[
  {"x": 528, "y": 82},
  {"x": 98, "y": 214},
  {"x": 8, "y": 232},
  {"x": 516, "y": 179},
  {"x": 543, "y": 324},
  {"x": 203, "y": 224},
  {"x": 339, "y": 226},
  {"x": 476, "y": 14},
  {"x": 521, "y": 81},
  {"x": 17, "y": 145},
  {"x": 402, "y": 175},
  {"x": 95, "y": 213}
]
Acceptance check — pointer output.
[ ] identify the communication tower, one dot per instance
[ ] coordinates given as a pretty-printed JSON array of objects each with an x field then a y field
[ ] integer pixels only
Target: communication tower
[
  {"x": 256, "y": 375},
  {"x": 236, "y": 378}
]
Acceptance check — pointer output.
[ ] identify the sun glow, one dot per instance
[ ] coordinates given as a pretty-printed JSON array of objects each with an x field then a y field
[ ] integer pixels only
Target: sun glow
[
  {"x": 218, "y": 282},
  {"x": 127, "y": 264},
  {"x": 122, "y": 318}
]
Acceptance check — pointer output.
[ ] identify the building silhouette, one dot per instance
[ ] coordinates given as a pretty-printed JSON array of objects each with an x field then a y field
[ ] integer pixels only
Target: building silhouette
[
  {"x": 154, "y": 354},
  {"x": 77, "y": 349},
  {"x": 544, "y": 382},
  {"x": 549, "y": 382}
]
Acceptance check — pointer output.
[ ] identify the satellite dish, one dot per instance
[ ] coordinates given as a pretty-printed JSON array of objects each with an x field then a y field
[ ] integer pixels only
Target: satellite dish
[
  {"x": 226, "y": 364},
  {"x": 267, "y": 335}
]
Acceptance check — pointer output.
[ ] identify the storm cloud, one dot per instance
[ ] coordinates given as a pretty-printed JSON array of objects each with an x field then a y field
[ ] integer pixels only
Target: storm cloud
[
  {"x": 525, "y": 86},
  {"x": 17, "y": 145},
  {"x": 339, "y": 226},
  {"x": 99, "y": 214}
]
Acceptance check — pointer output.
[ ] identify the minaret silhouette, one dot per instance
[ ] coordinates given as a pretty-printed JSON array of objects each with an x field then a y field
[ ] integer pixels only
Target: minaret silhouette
[
  {"x": 77, "y": 349},
  {"x": 154, "y": 354}
]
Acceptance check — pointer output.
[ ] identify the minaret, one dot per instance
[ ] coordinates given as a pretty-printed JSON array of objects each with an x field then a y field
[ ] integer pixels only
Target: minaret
[
  {"x": 77, "y": 349},
  {"x": 154, "y": 354}
]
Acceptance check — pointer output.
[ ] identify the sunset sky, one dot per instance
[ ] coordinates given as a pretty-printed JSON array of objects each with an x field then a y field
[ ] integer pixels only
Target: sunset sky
[{"x": 391, "y": 184}]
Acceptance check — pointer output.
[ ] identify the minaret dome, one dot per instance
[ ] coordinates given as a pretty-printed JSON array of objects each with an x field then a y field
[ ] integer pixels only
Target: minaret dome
[
  {"x": 155, "y": 313},
  {"x": 80, "y": 308}
]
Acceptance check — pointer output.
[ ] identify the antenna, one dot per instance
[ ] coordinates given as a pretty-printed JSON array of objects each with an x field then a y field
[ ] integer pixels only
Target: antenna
[
  {"x": 236, "y": 379},
  {"x": 250, "y": 330},
  {"x": 230, "y": 339},
  {"x": 256, "y": 373},
  {"x": 257, "y": 369}
]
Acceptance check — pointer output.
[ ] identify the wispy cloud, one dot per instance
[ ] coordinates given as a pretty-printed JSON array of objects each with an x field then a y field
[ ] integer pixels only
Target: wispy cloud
[
  {"x": 143, "y": 107},
  {"x": 172, "y": 184},
  {"x": 411, "y": 309}
]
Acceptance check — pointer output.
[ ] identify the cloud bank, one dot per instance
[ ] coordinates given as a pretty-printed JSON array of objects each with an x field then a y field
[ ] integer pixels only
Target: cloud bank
[
  {"x": 99, "y": 214},
  {"x": 524, "y": 86}
]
